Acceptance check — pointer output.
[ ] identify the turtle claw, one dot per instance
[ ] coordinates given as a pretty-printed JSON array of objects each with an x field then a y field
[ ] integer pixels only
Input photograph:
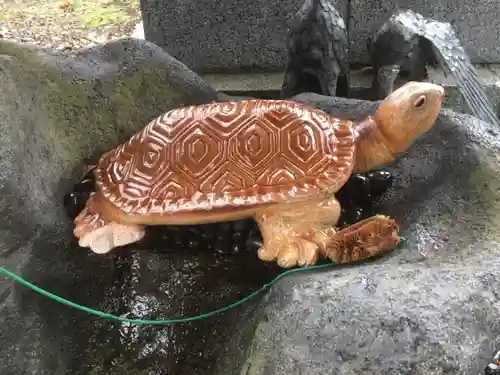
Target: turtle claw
[
  {"x": 365, "y": 239},
  {"x": 265, "y": 255},
  {"x": 288, "y": 257},
  {"x": 290, "y": 252}
]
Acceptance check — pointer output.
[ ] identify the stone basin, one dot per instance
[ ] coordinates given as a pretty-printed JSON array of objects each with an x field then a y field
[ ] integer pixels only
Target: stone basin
[{"x": 429, "y": 307}]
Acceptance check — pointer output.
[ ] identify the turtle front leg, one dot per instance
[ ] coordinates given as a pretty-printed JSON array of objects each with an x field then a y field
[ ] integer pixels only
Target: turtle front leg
[
  {"x": 364, "y": 239},
  {"x": 284, "y": 245},
  {"x": 293, "y": 233}
]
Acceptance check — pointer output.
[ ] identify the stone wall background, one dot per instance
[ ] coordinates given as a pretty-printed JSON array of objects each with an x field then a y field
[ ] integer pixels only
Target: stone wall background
[{"x": 238, "y": 35}]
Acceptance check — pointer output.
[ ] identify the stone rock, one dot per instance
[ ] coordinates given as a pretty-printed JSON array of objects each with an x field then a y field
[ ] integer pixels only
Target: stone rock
[
  {"x": 429, "y": 307},
  {"x": 61, "y": 110},
  {"x": 57, "y": 112}
]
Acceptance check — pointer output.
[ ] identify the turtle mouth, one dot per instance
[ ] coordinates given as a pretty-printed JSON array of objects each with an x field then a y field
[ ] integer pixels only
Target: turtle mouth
[{"x": 396, "y": 237}]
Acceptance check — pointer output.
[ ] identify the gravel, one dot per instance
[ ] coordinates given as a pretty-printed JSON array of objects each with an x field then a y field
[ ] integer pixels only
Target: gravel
[{"x": 69, "y": 24}]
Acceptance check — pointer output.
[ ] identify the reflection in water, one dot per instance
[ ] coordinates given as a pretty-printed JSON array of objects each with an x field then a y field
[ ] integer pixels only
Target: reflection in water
[
  {"x": 409, "y": 38},
  {"x": 160, "y": 279}
]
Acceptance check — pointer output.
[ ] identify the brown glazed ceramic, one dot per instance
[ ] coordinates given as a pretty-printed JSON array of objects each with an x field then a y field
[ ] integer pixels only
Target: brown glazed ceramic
[
  {"x": 240, "y": 153},
  {"x": 278, "y": 161}
]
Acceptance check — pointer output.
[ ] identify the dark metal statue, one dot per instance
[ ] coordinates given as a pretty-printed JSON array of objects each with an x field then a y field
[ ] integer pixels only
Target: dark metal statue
[
  {"x": 317, "y": 52},
  {"x": 408, "y": 41},
  {"x": 494, "y": 367}
]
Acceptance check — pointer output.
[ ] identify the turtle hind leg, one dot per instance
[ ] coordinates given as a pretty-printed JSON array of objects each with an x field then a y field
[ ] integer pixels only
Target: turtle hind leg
[
  {"x": 100, "y": 235},
  {"x": 365, "y": 239},
  {"x": 110, "y": 236}
]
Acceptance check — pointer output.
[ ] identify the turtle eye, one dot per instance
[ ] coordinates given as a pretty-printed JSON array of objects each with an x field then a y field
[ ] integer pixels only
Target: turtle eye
[{"x": 420, "y": 102}]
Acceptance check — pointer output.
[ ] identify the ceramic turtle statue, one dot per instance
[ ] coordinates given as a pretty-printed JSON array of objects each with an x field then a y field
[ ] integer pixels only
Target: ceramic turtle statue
[{"x": 279, "y": 162}]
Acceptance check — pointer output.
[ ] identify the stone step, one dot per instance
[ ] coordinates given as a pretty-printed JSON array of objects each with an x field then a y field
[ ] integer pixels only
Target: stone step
[{"x": 267, "y": 85}]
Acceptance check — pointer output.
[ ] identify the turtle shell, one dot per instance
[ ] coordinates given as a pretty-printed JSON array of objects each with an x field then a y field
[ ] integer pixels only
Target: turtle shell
[{"x": 228, "y": 154}]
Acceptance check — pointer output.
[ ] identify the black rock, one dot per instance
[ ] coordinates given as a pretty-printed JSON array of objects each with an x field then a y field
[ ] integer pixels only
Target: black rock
[
  {"x": 360, "y": 193},
  {"x": 492, "y": 369},
  {"x": 357, "y": 190},
  {"x": 350, "y": 215},
  {"x": 74, "y": 204},
  {"x": 241, "y": 234},
  {"x": 224, "y": 238},
  {"x": 86, "y": 185},
  {"x": 380, "y": 182},
  {"x": 75, "y": 200}
]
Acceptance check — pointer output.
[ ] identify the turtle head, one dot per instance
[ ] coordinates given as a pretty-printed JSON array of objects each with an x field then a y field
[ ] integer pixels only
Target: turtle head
[{"x": 406, "y": 114}]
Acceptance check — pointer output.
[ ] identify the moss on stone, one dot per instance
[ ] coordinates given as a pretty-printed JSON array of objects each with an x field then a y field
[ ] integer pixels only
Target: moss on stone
[{"x": 71, "y": 112}]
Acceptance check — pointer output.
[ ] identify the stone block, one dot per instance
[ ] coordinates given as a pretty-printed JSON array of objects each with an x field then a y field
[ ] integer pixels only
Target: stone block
[
  {"x": 208, "y": 35},
  {"x": 475, "y": 21},
  {"x": 240, "y": 36}
]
